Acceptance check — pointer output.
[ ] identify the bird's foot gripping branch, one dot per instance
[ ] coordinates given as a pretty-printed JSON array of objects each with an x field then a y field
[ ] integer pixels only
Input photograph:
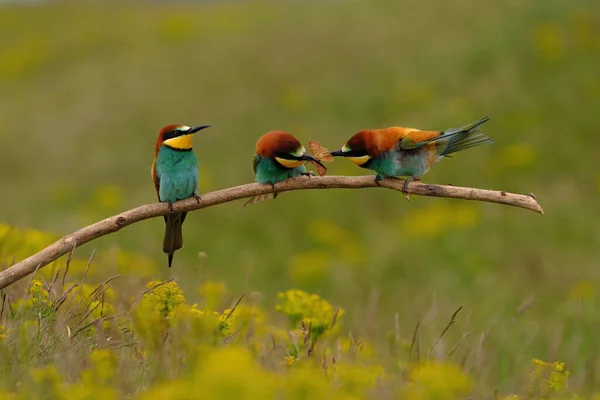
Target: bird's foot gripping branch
[{"x": 112, "y": 224}]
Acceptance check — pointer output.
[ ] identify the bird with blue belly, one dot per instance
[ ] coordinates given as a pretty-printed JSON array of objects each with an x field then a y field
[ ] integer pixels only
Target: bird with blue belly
[
  {"x": 279, "y": 156},
  {"x": 175, "y": 175},
  {"x": 399, "y": 151}
]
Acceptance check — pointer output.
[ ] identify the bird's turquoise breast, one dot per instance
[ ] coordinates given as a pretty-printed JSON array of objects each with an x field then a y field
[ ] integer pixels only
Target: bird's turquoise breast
[
  {"x": 268, "y": 171},
  {"x": 401, "y": 163},
  {"x": 177, "y": 173}
]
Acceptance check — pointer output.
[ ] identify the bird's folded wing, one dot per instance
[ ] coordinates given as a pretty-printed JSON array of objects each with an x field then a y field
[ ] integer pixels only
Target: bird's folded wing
[
  {"x": 417, "y": 138},
  {"x": 255, "y": 162}
]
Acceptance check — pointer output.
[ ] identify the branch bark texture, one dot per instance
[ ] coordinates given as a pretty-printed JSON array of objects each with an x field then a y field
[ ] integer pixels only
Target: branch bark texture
[{"x": 113, "y": 224}]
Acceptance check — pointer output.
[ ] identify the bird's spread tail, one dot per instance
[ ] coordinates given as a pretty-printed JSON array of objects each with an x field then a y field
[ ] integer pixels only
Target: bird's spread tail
[
  {"x": 259, "y": 198},
  {"x": 466, "y": 137},
  {"x": 173, "y": 239}
]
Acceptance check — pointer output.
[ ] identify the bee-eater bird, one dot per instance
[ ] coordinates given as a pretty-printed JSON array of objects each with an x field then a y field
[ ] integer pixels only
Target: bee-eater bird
[
  {"x": 175, "y": 175},
  {"x": 280, "y": 156},
  {"x": 399, "y": 151}
]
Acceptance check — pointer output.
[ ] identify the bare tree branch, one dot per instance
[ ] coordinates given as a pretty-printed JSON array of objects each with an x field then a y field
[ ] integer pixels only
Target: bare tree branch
[{"x": 113, "y": 224}]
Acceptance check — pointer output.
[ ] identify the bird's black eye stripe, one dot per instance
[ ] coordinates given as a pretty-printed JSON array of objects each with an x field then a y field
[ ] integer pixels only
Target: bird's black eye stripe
[
  {"x": 172, "y": 134},
  {"x": 355, "y": 153},
  {"x": 287, "y": 156}
]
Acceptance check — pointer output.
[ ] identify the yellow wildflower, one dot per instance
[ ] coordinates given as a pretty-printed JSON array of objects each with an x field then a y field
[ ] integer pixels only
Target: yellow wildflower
[
  {"x": 547, "y": 378},
  {"x": 289, "y": 360},
  {"x": 226, "y": 321},
  {"x": 308, "y": 308},
  {"x": 166, "y": 298},
  {"x": 3, "y": 332},
  {"x": 37, "y": 300}
]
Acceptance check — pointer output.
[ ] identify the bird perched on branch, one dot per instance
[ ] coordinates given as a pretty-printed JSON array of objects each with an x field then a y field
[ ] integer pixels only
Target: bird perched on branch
[
  {"x": 175, "y": 175},
  {"x": 280, "y": 156},
  {"x": 400, "y": 151}
]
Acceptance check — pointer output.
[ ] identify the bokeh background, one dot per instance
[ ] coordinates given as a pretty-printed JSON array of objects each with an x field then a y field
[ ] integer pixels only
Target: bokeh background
[{"x": 84, "y": 89}]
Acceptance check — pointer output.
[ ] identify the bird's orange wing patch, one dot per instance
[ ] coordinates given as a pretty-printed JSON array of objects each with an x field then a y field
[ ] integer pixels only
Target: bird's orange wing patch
[
  {"x": 416, "y": 137},
  {"x": 381, "y": 140}
]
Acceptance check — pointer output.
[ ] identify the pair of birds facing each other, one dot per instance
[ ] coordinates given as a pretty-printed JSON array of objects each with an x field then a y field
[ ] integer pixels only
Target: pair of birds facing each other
[{"x": 390, "y": 152}]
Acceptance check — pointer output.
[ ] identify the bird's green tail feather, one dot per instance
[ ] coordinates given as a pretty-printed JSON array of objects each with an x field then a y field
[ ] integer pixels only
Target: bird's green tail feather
[
  {"x": 469, "y": 127},
  {"x": 466, "y": 137},
  {"x": 173, "y": 239},
  {"x": 467, "y": 141}
]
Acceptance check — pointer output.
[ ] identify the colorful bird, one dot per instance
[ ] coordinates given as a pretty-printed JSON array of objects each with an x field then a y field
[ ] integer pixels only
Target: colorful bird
[
  {"x": 175, "y": 175},
  {"x": 399, "y": 151},
  {"x": 280, "y": 156}
]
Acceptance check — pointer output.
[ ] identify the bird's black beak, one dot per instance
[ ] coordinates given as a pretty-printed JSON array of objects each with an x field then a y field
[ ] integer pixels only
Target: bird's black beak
[
  {"x": 198, "y": 128},
  {"x": 306, "y": 157},
  {"x": 337, "y": 153}
]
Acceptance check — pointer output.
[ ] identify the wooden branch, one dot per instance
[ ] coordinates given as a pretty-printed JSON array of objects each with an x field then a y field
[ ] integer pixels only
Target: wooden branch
[{"x": 115, "y": 223}]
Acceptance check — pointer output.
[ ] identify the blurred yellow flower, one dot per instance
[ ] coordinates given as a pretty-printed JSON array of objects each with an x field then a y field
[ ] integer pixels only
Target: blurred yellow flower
[
  {"x": 108, "y": 197},
  {"x": 308, "y": 308},
  {"x": 304, "y": 382},
  {"x": 356, "y": 378},
  {"x": 21, "y": 243},
  {"x": 212, "y": 292},
  {"x": 310, "y": 268},
  {"x": 348, "y": 248},
  {"x": 288, "y": 361},
  {"x": 549, "y": 41},
  {"x": 23, "y": 57},
  {"x": 584, "y": 290},
  {"x": 223, "y": 373},
  {"x": 101, "y": 369},
  {"x": 435, "y": 218},
  {"x": 4, "y": 331},
  {"x": 4, "y": 229},
  {"x": 143, "y": 265},
  {"x": 176, "y": 25},
  {"x": 359, "y": 351},
  {"x": 47, "y": 381},
  {"x": 435, "y": 380}
]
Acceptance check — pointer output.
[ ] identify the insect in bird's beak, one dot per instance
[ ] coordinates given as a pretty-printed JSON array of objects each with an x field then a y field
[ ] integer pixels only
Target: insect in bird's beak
[
  {"x": 321, "y": 169},
  {"x": 320, "y": 152}
]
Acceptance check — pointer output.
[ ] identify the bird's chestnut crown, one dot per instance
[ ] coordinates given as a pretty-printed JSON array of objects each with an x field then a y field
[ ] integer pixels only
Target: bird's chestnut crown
[{"x": 282, "y": 146}]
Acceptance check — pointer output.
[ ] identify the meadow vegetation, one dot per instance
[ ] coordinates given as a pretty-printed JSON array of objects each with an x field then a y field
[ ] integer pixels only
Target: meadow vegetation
[{"x": 323, "y": 294}]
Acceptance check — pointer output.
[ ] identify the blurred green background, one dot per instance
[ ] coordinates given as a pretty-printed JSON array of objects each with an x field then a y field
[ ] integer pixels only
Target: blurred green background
[{"x": 84, "y": 90}]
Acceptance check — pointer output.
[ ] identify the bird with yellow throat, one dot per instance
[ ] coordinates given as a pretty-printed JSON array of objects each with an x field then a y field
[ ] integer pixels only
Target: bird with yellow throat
[
  {"x": 400, "y": 151},
  {"x": 175, "y": 175}
]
